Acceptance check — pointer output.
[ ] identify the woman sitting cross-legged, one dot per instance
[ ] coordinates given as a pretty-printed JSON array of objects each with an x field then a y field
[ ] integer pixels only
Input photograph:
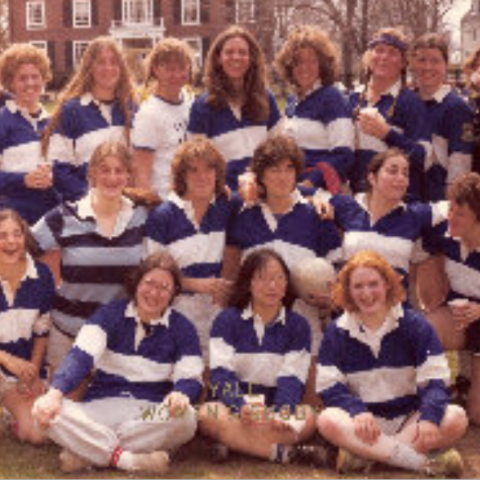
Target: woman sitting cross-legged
[
  {"x": 382, "y": 375},
  {"x": 259, "y": 360},
  {"x": 149, "y": 370}
]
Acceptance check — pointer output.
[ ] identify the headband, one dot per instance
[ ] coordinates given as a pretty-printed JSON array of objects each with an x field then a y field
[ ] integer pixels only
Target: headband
[{"x": 388, "y": 40}]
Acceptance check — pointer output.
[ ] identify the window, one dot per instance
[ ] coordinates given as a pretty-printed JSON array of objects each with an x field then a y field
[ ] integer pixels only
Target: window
[
  {"x": 190, "y": 12},
  {"x": 35, "y": 15},
  {"x": 196, "y": 45},
  {"x": 245, "y": 11},
  {"x": 138, "y": 11},
  {"x": 78, "y": 51},
  {"x": 40, "y": 44},
  {"x": 82, "y": 13}
]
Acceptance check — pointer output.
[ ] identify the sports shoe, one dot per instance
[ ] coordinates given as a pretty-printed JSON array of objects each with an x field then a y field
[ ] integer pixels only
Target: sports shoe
[
  {"x": 448, "y": 464},
  {"x": 348, "y": 462},
  {"x": 70, "y": 462},
  {"x": 315, "y": 455},
  {"x": 153, "y": 462},
  {"x": 219, "y": 453}
]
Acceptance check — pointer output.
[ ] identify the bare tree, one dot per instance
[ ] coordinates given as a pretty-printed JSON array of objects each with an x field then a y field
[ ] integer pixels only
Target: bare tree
[{"x": 4, "y": 31}]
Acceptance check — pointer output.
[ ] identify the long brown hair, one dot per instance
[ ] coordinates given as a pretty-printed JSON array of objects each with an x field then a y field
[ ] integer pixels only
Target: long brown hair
[
  {"x": 82, "y": 82},
  {"x": 218, "y": 85}
]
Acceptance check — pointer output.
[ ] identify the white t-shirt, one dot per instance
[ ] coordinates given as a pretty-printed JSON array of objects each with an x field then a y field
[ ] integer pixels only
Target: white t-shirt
[{"x": 160, "y": 126}]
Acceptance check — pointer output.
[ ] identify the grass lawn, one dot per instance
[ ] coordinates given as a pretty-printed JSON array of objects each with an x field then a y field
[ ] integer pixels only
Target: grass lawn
[{"x": 25, "y": 461}]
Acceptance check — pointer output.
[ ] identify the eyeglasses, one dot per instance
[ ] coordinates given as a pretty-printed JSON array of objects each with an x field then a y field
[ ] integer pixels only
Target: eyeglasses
[
  {"x": 269, "y": 279},
  {"x": 162, "y": 287}
]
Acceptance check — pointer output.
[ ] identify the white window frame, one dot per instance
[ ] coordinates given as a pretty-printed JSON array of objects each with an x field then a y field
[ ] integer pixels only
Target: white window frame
[
  {"x": 128, "y": 8},
  {"x": 82, "y": 22},
  {"x": 185, "y": 19},
  {"x": 196, "y": 44},
  {"x": 241, "y": 6},
  {"x": 78, "y": 48},
  {"x": 40, "y": 44},
  {"x": 31, "y": 12}
]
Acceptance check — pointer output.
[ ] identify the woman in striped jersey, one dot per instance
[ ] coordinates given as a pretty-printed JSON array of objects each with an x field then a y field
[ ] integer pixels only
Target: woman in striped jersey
[
  {"x": 458, "y": 241},
  {"x": 100, "y": 238},
  {"x": 382, "y": 376},
  {"x": 26, "y": 296},
  {"x": 25, "y": 175},
  {"x": 97, "y": 105}
]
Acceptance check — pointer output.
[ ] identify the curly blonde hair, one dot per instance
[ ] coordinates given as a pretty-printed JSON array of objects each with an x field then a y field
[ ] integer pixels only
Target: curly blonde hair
[
  {"x": 218, "y": 84},
  {"x": 307, "y": 36},
  {"x": 20, "y": 54},
  {"x": 367, "y": 259},
  {"x": 197, "y": 148}
]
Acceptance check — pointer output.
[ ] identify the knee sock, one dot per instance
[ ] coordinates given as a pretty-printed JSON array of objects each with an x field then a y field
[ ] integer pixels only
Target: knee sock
[{"x": 404, "y": 456}]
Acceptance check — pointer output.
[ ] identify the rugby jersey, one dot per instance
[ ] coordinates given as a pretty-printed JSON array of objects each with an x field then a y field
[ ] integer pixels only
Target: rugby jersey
[
  {"x": 450, "y": 155},
  {"x": 393, "y": 236},
  {"x": 236, "y": 139},
  {"x": 20, "y": 153},
  {"x": 26, "y": 316},
  {"x": 130, "y": 362},
  {"x": 322, "y": 126},
  {"x": 84, "y": 124},
  {"x": 405, "y": 113},
  {"x": 197, "y": 249},
  {"x": 249, "y": 357},
  {"x": 93, "y": 267},
  {"x": 295, "y": 235},
  {"x": 403, "y": 371}
]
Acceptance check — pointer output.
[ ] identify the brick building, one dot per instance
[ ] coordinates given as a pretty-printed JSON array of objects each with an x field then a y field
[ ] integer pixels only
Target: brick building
[{"x": 65, "y": 27}]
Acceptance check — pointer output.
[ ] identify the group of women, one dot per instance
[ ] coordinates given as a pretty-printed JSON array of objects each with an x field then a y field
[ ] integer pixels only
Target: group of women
[{"x": 154, "y": 299}]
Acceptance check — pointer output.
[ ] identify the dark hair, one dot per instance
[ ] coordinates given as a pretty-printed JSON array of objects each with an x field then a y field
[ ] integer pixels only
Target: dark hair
[
  {"x": 256, "y": 107},
  {"x": 272, "y": 152},
  {"x": 433, "y": 41},
  {"x": 466, "y": 191},
  {"x": 31, "y": 245},
  {"x": 160, "y": 260},
  {"x": 257, "y": 260},
  {"x": 379, "y": 160}
]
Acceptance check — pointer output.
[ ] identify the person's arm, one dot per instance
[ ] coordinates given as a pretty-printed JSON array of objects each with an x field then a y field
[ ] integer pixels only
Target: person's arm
[
  {"x": 231, "y": 262},
  {"x": 143, "y": 167}
]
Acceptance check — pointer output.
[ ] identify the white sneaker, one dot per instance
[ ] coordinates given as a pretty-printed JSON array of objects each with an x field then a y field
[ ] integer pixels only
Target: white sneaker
[{"x": 153, "y": 462}]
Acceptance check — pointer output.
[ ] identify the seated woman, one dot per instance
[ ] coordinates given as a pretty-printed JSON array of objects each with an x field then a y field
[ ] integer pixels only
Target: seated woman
[
  {"x": 382, "y": 376},
  {"x": 457, "y": 322},
  {"x": 191, "y": 226},
  {"x": 27, "y": 295},
  {"x": 260, "y": 353},
  {"x": 148, "y": 374}
]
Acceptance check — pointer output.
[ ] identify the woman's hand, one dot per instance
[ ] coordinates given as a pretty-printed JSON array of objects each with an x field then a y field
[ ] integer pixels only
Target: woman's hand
[
  {"x": 25, "y": 371},
  {"x": 465, "y": 314},
  {"x": 324, "y": 209},
  {"x": 40, "y": 178},
  {"x": 248, "y": 188},
  {"x": 373, "y": 124},
  {"x": 427, "y": 436},
  {"x": 218, "y": 288},
  {"x": 47, "y": 407},
  {"x": 366, "y": 428},
  {"x": 177, "y": 403}
]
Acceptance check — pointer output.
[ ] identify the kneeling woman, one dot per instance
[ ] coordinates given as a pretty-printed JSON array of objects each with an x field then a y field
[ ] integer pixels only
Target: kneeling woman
[
  {"x": 382, "y": 374},
  {"x": 149, "y": 367},
  {"x": 259, "y": 360},
  {"x": 27, "y": 292}
]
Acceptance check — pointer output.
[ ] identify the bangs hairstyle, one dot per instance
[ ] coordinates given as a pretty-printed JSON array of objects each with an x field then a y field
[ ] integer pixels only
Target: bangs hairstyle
[
  {"x": 218, "y": 85},
  {"x": 308, "y": 37},
  {"x": 109, "y": 149},
  {"x": 466, "y": 191},
  {"x": 167, "y": 51},
  {"x": 367, "y": 259},
  {"x": 202, "y": 149},
  {"x": 82, "y": 83},
  {"x": 255, "y": 262},
  {"x": 431, "y": 41},
  {"x": 161, "y": 260},
  {"x": 20, "y": 54},
  {"x": 272, "y": 152},
  {"x": 31, "y": 245}
]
